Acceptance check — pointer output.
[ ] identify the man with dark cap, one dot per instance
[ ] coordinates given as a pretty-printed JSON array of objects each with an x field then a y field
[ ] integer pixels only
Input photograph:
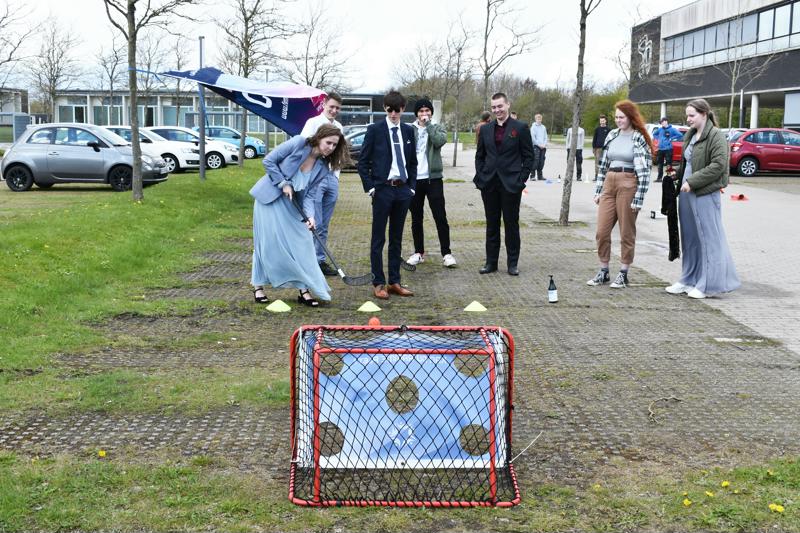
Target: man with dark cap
[{"x": 430, "y": 138}]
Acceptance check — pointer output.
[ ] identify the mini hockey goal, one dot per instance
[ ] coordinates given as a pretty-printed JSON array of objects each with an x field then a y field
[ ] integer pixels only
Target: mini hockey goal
[{"x": 402, "y": 416}]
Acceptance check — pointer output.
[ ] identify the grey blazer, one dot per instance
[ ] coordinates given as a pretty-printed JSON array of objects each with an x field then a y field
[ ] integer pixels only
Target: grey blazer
[{"x": 281, "y": 166}]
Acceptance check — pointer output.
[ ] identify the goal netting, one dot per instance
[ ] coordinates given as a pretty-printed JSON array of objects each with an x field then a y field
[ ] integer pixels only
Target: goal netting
[{"x": 402, "y": 416}]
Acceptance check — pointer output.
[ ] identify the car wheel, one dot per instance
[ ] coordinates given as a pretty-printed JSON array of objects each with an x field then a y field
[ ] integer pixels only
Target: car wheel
[
  {"x": 747, "y": 167},
  {"x": 120, "y": 178},
  {"x": 249, "y": 152},
  {"x": 214, "y": 161},
  {"x": 19, "y": 178},
  {"x": 172, "y": 163}
]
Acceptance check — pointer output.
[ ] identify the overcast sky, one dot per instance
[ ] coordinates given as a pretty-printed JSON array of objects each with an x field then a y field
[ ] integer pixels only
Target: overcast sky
[{"x": 378, "y": 32}]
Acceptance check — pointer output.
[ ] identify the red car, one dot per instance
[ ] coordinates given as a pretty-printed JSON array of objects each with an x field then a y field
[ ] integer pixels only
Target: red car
[{"x": 760, "y": 149}]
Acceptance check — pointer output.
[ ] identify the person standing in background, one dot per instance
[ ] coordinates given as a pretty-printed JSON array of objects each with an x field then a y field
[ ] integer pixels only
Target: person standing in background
[
  {"x": 430, "y": 138},
  {"x": 539, "y": 137},
  {"x": 665, "y": 136},
  {"x": 598, "y": 140},
  {"x": 578, "y": 150},
  {"x": 328, "y": 192},
  {"x": 486, "y": 117}
]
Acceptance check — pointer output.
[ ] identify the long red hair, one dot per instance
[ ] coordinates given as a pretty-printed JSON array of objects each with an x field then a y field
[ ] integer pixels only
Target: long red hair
[{"x": 631, "y": 110}]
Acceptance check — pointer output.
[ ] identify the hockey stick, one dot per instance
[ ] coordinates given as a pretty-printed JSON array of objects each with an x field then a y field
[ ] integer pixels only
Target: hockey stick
[{"x": 348, "y": 280}]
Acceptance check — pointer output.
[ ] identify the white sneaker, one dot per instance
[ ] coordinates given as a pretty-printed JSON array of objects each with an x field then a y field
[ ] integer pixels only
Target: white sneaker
[
  {"x": 678, "y": 288},
  {"x": 415, "y": 259},
  {"x": 697, "y": 294},
  {"x": 449, "y": 261}
]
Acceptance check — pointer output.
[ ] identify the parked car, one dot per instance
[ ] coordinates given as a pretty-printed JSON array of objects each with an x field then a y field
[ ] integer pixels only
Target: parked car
[
  {"x": 218, "y": 154},
  {"x": 253, "y": 147},
  {"x": 355, "y": 139},
  {"x": 177, "y": 155},
  {"x": 771, "y": 149},
  {"x": 352, "y": 128},
  {"x": 677, "y": 146},
  {"x": 46, "y": 154}
]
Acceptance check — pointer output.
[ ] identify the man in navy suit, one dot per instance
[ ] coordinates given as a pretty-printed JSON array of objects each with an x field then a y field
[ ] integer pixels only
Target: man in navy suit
[
  {"x": 388, "y": 170},
  {"x": 503, "y": 160}
]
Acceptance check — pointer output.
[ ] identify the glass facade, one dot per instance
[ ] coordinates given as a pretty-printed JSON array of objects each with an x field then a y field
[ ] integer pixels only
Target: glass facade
[{"x": 767, "y": 31}]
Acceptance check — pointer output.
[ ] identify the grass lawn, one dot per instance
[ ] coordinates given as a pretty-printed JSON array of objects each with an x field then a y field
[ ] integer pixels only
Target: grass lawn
[{"x": 75, "y": 257}]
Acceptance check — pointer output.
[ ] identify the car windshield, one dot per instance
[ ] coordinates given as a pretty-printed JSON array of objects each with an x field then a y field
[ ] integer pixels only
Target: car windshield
[
  {"x": 736, "y": 135},
  {"x": 112, "y": 137},
  {"x": 155, "y": 137}
]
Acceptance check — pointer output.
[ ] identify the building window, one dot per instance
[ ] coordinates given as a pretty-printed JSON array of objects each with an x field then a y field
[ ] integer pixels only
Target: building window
[
  {"x": 710, "y": 38},
  {"x": 796, "y": 18},
  {"x": 765, "y": 20},
  {"x": 668, "y": 47},
  {"x": 722, "y": 36},
  {"x": 749, "y": 29},
  {"x": 783, "y": 18}
]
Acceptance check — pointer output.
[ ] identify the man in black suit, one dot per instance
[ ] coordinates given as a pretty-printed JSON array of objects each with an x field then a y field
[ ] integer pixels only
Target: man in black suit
[
  {"x": 503, "y": 161},
  {"x": 388, "y": 170}
]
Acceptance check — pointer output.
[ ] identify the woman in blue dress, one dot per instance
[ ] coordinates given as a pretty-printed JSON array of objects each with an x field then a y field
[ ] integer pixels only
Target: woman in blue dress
[
  {"x": 707, "y": 265},
  {"x": 283, "y": 246}
]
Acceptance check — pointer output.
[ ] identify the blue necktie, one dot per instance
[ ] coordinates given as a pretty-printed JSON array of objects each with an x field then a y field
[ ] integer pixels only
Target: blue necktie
[{"x": 398, "y": 154}]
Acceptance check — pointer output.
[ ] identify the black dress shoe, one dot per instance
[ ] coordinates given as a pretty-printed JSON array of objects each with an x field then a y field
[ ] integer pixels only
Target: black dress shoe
[
  {"x": 327, "y": 270},
  {"x": 513, "y": 270},
  {"x": 488, "y": 267}
]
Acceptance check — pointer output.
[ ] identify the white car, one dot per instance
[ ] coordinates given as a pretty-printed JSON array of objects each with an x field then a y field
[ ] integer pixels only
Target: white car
[
  {"x": 178, "y": 156},
  {"x": 218, "y": 154}
]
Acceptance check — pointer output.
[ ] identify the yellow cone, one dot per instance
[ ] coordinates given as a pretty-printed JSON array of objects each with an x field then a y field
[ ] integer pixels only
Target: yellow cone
[
  {"x": 278, "y": 306},
  {"x": 475, "y": 307},
  {"x": 369, "y": 307}
]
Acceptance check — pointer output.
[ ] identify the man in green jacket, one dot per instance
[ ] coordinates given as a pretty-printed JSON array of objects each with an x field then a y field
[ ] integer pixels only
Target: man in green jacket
[{"x": 430, "y": 139}]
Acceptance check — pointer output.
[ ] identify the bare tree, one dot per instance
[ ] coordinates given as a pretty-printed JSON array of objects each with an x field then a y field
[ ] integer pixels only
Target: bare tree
[
  {"x": 741, "y": 68},
  {"x": 125, "y": 17},
  {"x": 502, "y": 40},
  {"x": 321, "y": 62},
  {"x": 457, "y": 71},
  {"x": 587, "y": 7},
  {"x": 422, "y": 70},
  {"x": 249, "y": 35},
  {"x": 54, "y": 68},
  {"x": 111, "y": 62},
  {"x": 149, "y": 59},
  {"x": 12, "y": 38},
  {"x": 180, "y": 57}
]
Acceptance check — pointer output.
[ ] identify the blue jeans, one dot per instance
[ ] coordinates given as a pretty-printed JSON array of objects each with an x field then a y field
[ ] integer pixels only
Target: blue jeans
[{"x": 323, "y": 211}]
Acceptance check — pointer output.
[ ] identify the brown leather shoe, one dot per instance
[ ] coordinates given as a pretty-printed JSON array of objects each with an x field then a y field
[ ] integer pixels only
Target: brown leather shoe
[
  {"x": 380, "y": 292},
  {"x": 396, "y": 288}
]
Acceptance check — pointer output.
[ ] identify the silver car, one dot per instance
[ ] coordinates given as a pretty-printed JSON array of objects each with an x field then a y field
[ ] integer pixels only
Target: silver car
[{"x": 47, "y": 154}]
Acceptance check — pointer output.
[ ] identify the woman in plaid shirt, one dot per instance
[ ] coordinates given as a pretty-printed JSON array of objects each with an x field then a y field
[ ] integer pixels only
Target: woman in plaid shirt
[{"x": 622, "y": 181}]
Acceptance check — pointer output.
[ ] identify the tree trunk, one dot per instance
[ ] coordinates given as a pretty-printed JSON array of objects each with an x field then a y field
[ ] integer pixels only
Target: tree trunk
[
  {"x": 566, "y": 194},
  {"x": 138, "y": 193},
  {"x": 242, "y": 139}
]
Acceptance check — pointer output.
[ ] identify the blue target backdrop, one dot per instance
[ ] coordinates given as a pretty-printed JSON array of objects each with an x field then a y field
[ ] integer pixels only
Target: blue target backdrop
[{"x": 393, "y": 401}]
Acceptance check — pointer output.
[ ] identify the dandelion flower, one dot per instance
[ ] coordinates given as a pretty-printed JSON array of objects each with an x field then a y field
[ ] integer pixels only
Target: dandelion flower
[
  {"x": 776, "y": 508},
  {"x": 709, "y": 494},
  {"x": 725, "y": 484},
  {"x": 101, "y": 453},
  {"x": 687, "y": 502}
]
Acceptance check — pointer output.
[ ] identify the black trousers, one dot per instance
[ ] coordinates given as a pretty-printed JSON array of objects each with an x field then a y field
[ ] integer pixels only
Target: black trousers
[
  {"x": 433, "y": 189},
  {"x": 389, "y": 205},
  {"x": 578, "y": 162},
  {"x": 663, "y": 157},
  {"x": 538, "y": 162},
  {"x": 497, "y": 202}
]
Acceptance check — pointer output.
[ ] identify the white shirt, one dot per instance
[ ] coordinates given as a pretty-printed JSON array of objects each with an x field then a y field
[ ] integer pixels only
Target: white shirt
[
  {"x": 581, "y": 138},
  {"x": 422, "y": 151},
  {"x": 394, "y": 172},
  {"x": 313, "y": 124}
]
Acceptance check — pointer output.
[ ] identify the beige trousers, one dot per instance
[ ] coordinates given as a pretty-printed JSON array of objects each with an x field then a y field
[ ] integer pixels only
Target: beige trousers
[{"x": 619, "y": 189}]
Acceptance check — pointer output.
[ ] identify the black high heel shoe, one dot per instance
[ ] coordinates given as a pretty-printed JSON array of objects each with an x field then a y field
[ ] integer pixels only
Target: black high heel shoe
[
  {"x": 310, "y": 301},
  {"x": 260, "y": 299}
]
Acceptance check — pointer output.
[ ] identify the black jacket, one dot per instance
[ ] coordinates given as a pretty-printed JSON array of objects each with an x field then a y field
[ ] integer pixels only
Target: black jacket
[
  {"x": 375, "y": 161},
  {"x": 599, "y": 138},
  {"x": 511, "y": 163}
]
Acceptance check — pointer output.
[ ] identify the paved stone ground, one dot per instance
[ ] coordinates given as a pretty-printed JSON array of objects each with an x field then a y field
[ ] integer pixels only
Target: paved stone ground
[{"x": 590, "y": 370}]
